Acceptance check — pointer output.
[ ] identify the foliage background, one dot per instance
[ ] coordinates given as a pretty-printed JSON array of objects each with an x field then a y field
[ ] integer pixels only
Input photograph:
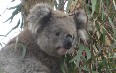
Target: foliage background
[{"x": 99, "y": 55}]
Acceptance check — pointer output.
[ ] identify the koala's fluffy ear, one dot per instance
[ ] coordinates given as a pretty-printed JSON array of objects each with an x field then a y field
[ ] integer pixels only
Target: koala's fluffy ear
[
  {"x": 39, "y": 16},
  {"x": 80, "y": 19}
]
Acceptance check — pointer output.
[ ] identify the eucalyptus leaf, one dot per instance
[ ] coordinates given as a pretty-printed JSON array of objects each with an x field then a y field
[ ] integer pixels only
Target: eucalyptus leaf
[
  {"x": 88, "y": 53},
  {"x": 93, "y": 6}
]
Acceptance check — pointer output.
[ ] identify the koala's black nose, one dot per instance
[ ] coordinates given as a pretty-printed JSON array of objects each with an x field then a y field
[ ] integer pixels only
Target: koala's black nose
[{"x": 68, "y": 41}]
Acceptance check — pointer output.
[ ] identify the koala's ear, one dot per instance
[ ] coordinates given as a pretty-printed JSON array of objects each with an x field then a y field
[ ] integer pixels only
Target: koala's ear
[
  {"x": 39, "y": 16},
  {"x": 80, "y": 19}
]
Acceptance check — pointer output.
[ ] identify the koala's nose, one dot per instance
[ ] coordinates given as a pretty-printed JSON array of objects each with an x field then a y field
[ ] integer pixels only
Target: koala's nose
[{"x": 68, "y": 41}]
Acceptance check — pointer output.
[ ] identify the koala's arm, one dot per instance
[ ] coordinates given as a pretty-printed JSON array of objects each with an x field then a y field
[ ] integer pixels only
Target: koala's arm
[{"x": 11, "y": 62}]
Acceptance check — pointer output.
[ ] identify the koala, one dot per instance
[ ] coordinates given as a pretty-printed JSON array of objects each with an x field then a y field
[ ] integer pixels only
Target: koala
[{"x": 39, "y": 47}]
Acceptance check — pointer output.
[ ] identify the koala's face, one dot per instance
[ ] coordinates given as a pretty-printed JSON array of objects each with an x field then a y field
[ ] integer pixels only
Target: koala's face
[
  {"x": 56, "y": 32},
  {"x": 57, "y": 36}
]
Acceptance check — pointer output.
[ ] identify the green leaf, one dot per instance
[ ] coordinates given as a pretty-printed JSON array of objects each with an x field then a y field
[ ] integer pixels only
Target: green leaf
[
  {"x": 85, "y": 68},
  {"x": 93, "y": 6},
  {"x": 68, "y": 5},
  {"x": 22, "y": 25},
  {"x": 62, "y": 65},
  {"x": 24, "y": 51},
  {"x": 113, "y": 45},
  {"x": 95, "y": 72},
  {"x": 97, "y": 6},
  {"x": 15, "y": 12},
  {"x": 14, "y": 7},
  {"x": 24, "y": 47},
  {"x": 114, "y": 2},
  {"x": 88, "y": 53},
  {"x": 111, "y": 21},
  {"x": 77, "y": 57},
  {"x": 1, "y": 70},
  {"x": 103, "y": 13},
  {"x": 97, "y": 25},
  {"x": 112, "y": 24},
  {"x": 104, "y": 34},
  {"x": 114, "y": 56},
  {"x": 61, "y": 4},
  {"x": 107, "y": 2},
  {"x": 79, "y": 53}
]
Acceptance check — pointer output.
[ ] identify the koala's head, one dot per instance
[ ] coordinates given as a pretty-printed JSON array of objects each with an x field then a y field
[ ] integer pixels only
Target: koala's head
[{"x": 56, "y": 31}]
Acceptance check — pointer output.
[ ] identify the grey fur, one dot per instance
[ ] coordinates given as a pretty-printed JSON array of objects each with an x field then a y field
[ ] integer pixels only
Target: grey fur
[{"x": 36, "y": 50}]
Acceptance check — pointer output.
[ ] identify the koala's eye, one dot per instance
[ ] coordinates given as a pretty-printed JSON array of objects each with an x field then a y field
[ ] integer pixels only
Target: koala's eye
[
  {"x": 68, "y": 35},
  {"x": 57, "y": 33}
]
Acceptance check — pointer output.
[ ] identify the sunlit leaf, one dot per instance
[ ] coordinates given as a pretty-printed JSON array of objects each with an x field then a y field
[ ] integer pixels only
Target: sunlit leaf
[
  {"x": 108, "y": 41},
  {"x": 112, "y": 24},
  {"x": 93, "y": 6},
  {"x": 111, "y": 21},
  {"x": 72, "y": 6},
  {"x": 114, "y": 2}
]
